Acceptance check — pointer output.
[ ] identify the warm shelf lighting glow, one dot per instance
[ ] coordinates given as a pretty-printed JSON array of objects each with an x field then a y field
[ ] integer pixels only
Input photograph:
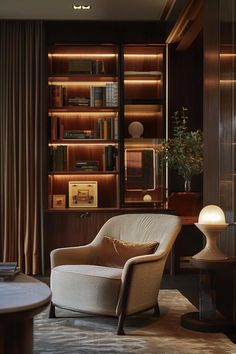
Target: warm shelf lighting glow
[
  {"x": 83, "y": 142},
  {"x": 79, "y": 83},
  {"x": 87, "y": 114},
  {"x": 228, "y": 55},
  {"x": 143, "y": 114},
  {"x": 142, "y": 56},
  {"x": 98, "y": 176},
  {"x": 228, "y": 81},
  {"x": 142, "y": 81},
  {"x": 81, "y": 55},
  {"x": 131, "y": 143}
]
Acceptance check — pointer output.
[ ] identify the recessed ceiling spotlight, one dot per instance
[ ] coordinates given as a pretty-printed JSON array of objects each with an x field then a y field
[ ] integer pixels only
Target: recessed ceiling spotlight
[{"x": 81, "y": 7}]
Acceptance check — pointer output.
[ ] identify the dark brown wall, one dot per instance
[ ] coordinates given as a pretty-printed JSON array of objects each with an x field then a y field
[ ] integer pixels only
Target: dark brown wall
[
  {"x": 186, "y": 89},
  {"x": 104, "y": 32},
  {"x": 219, "y": 103}
]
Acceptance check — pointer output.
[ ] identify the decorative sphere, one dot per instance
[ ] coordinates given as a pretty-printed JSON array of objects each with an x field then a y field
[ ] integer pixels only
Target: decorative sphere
[
  {"x": 135, "y": 129},
  {"x": 147, "y": 198},
  {"x": 211, "y": 214}
]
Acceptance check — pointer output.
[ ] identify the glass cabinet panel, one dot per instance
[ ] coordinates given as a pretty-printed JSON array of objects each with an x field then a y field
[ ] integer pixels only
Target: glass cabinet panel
[{"x": 144, "y": 125}]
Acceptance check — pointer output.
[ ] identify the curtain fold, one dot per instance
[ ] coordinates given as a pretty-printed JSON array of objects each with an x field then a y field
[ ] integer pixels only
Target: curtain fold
[{"x": 22, "y": 134}]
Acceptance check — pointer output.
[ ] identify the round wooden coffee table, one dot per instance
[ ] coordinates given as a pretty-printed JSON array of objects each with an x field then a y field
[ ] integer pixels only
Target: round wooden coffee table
[{"x": 20, "y": 300}]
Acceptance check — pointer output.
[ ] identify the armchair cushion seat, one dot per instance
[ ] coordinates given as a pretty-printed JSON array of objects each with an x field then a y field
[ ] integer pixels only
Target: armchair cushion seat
[{"x": 87, "y": 288}]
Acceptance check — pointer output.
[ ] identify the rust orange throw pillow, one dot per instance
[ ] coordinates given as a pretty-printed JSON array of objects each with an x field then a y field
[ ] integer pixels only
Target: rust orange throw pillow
[{"x": 114, "y": 253}]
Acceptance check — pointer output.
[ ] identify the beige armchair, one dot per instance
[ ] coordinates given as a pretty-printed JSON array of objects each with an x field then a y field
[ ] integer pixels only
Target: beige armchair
[{"x": 86, "y": 279}]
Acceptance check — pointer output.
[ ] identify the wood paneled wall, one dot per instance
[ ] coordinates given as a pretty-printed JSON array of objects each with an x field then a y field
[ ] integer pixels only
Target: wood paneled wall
[{"x": 219, "y": 132}]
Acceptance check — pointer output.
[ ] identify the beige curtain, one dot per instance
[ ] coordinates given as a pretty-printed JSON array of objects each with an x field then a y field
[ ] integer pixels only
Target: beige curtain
[{"x": 22, "y": 117}]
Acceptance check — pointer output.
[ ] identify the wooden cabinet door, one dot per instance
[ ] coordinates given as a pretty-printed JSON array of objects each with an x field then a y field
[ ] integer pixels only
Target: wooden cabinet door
[{"x": 71, "y": 229}]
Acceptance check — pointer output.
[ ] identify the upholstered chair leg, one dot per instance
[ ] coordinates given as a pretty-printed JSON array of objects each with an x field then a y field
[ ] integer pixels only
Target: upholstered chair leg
[
  {"x": 121, "y": 320},
  {"x": 52, "y": 313},
  {"x": 156, "y": 310}
]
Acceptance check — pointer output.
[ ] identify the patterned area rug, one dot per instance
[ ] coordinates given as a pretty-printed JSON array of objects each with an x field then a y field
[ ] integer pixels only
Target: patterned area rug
[{"x": 145, "y": 334}]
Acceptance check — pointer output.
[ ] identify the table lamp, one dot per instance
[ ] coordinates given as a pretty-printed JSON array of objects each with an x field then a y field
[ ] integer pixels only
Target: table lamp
[{"x": 211, "y": 222}]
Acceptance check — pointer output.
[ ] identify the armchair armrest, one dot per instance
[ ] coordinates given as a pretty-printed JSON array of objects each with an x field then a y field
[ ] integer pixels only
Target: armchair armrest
[
  {"x": 72, "y": 255},
  {"x": 141, "y": 280}
]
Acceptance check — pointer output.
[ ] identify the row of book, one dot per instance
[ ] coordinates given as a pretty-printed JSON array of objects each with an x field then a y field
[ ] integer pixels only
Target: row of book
[
  {"x": 58, "y": 160},
  {"x": 100, "y": 96},
  {"x": 57, "y": 95},
  {"x": 104, "y": 128},
  {"x": 104, "y": 96}
]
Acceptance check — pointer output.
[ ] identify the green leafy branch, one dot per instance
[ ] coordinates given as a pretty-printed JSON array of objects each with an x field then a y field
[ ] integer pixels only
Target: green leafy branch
[{"x": 184, "y": 152}]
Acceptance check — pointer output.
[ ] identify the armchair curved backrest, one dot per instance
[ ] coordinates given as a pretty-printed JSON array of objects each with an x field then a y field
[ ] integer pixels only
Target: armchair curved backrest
[
  {"x": 108, "y": 290},
  {"x": 162, "y": 228}
]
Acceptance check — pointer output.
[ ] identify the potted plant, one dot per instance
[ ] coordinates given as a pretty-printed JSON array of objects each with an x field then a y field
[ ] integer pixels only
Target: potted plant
[{"x": 184, "y": 151}]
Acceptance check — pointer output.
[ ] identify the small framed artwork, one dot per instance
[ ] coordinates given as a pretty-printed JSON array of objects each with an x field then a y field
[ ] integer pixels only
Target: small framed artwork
[
  {"x": 58, "y": 201},
  {"x": 83, "y": 194}
]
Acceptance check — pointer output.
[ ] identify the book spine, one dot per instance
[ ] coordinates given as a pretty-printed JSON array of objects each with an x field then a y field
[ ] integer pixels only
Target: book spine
[
  {"x": 116, "y": 133},
  {"x": 105, "y": 129},
  {"x": 109, "y": 158},
  {"x": 65, "y": 167}
]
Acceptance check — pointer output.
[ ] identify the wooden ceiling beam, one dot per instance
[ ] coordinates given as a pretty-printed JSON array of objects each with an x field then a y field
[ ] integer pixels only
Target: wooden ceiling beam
[
  {"x": 191, "y": 13},
  {"x": 168, "y": 6},
  {"x": 191, "y": 34}
]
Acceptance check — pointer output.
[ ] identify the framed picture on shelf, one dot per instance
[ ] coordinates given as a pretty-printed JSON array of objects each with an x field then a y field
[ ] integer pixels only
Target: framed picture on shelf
[
  {"x": 58, "y": 201},
  {"x": 83, "y": 194}
]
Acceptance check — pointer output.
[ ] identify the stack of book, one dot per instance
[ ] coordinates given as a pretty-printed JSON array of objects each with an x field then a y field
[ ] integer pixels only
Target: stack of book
[
  {"x": 78, "y": 134},
  {"x": 78, "y": 101},
  {"x": 8, "y": 270},
  {"x": 87, "y": 165}
]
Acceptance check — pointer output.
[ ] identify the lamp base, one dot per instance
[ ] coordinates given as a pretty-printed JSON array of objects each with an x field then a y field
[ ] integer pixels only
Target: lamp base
[
  {"x": 211, "y": 252},
  {"x": 210, "y": 255}
]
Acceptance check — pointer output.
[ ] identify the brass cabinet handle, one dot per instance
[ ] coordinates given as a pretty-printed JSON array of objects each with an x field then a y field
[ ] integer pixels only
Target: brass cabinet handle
[{"x": 84, "y": 215}]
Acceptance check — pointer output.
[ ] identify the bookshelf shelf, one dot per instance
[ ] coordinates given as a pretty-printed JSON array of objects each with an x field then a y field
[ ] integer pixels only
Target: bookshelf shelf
[
  {"x": 80, "y": 79},
  {"x": 83, "y": 115},
  {"x": 81, "y": 109},
  {"x": 95, "y": 93},
  {"x": 83, "y": 142},
  {"x": 62, "y": 173}
]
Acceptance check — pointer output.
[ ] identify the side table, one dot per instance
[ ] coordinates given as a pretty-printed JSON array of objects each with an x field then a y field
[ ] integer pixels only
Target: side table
[
  {"x": 208, "y": 319},
  {"x": 20, "y": 300}
]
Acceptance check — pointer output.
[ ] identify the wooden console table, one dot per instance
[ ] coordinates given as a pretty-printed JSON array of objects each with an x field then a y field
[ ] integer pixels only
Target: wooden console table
[
  {"x": 20, "y": 300},
  {"x": 208, "y": 319}
]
